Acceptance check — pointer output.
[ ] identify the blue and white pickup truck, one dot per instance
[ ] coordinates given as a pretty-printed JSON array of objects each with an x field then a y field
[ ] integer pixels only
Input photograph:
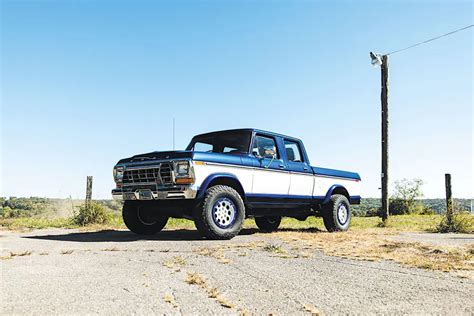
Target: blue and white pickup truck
[{"x": 224, "y": 177}]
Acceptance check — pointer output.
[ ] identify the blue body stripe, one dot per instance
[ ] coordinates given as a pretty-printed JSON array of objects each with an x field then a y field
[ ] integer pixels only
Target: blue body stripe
[
  {"x": 336, "y": 173},
  {"x": 255, "y": 198}
]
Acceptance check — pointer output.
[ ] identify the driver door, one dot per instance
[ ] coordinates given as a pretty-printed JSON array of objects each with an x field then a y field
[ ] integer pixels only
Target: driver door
[{"x": 271, "y": 180}]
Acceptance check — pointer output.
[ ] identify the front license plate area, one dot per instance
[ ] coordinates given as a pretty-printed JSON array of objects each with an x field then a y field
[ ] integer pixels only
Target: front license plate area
[{"x": 145, "y": 195}]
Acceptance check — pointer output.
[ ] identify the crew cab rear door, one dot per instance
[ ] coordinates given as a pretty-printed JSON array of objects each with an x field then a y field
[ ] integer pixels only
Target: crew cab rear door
[{"x": 301, "y": 173}]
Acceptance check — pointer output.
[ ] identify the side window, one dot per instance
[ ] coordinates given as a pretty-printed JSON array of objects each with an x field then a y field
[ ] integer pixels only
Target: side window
[
  {"x": 265, "y": 147},
  {"x": 203, "y": 147},
  {"x": 293, "y": 151}
]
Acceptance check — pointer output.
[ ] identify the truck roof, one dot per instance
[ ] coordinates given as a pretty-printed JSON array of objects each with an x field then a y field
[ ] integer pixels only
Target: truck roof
[{"x": 250, "y": 130}]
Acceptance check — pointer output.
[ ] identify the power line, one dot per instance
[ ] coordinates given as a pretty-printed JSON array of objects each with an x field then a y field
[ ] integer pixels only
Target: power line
[{"x": 432, "y": 39}]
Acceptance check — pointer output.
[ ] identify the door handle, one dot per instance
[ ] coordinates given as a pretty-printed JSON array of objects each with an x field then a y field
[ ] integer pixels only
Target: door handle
[
  {"x": 282, "y": 166},
  {"x": 305, "y": 168}
]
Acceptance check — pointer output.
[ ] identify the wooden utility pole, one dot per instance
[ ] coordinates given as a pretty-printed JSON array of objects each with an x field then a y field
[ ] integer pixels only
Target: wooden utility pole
[
  {"x": 449, "y": 199},
  {"x": 384, "y": 101},
  {"x": 88, "y": 191}
]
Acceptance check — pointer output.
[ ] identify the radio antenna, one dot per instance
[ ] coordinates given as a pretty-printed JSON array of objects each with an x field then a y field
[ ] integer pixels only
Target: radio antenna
[{"x": 173, "y": 134}]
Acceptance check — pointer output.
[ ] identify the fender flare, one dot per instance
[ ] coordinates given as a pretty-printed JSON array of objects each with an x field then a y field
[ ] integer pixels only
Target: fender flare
[
  {"x": 205, "y": 184},
  {"x": 331, "y": 190}
]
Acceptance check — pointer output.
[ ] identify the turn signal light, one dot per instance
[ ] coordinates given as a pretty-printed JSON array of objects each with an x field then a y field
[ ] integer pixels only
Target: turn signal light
[{"x": 184, "y": 180}]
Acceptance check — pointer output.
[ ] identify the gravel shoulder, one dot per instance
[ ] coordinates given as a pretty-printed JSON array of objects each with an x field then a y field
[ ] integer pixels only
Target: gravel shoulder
[{"x": 176, "y": 272}]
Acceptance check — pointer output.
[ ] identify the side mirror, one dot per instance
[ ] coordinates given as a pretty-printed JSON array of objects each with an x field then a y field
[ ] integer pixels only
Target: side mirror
[{"x": 270, "y": 154}]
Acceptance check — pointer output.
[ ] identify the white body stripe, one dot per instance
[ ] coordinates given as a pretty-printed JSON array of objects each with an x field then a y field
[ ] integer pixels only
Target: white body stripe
[
  {"x": 301, "y": 184},
  {"x": 244, "y": 175},
  {"x": 322, "y": 184},
  {"x": 267, "y": 181}
]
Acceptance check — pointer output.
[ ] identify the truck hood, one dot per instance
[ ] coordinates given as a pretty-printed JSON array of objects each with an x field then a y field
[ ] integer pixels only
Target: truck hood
[{"x": 159, "y": 155}]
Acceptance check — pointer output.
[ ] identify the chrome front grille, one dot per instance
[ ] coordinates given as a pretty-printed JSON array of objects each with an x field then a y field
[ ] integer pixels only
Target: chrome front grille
[
  {"x": 165, "y": 173},
  {"x": 160, "y": 175}
]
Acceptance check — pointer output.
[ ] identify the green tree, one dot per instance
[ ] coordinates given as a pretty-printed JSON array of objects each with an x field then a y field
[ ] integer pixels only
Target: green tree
[{"x": 406, "y": 195}]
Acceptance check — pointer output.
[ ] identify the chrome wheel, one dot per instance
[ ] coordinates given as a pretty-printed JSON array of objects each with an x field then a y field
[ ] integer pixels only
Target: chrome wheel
[
  {"x": 342, "y": 214},
  {"x": 224, "y": 212}
]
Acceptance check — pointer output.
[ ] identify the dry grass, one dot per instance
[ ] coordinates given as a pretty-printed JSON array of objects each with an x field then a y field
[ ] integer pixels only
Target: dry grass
[
  {"x": 67, "y": 252},
  {"x": 375, "y": 245},
  {"x": 217, "y": 253},
  {"x": 21, "y": 253},
  {"x": 274, "y": 248},
  {"x": 461, "y": 223},
  {"x": 224, "y": 302},
  {"x": 175, "y": 262},
  {"x": 212, "y": 292},
  {"x": 195, "y": 278},
  {"x": 111, "y": 249},
  {"x": 169, "y": 298},
  {"x": 311, "y": 309}
]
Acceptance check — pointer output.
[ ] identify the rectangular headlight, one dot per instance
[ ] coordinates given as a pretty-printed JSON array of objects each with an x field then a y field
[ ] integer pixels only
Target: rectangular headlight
[
  {"x": 118, "y": 173},
  {"x": 182, "y": 169},
  {"x": 183, "y": 172}
]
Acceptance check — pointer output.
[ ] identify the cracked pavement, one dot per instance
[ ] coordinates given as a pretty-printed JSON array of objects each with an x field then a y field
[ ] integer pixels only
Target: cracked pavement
[{"x": 64, "y": 271}]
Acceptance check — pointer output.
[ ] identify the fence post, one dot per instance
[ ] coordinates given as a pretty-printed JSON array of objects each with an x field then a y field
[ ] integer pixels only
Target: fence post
[
  {"x": 88, "y": 191},
  {"x": 449, "y": 199}
]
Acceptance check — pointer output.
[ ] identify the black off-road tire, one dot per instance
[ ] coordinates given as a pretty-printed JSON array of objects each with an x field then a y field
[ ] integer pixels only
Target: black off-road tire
[
  {"x": 268, "y": 224},
  {"x": 333, "y": 221},
  {"x": 134, "y": 214},
  {"x": 203, "y": 213}
]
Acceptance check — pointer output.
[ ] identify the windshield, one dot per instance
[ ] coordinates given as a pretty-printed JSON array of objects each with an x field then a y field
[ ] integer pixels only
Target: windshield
[{"x": 230, "y": 142}]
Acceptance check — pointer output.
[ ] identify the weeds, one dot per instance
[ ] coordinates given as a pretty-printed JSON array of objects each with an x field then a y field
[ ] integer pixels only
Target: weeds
[
  {"x": 217, "y": 253},
  {"x": 111, "y": 249},
  {"x": 212, "y": 292},
  {"x": 311, "y": 309},
  {"x": 175, "y": 261},
  {"x": 461, "y": 223},
  {"x": 372, "y": 245},
  {"x": 169, "y": 298},
  {"x": 92, "y": 213},
  {"x": 67, "y": 252},
  {"x": 195, "y": 278},
  {"x": 20, "y": 254},
  {"x": 274, "y": 248},
  {"x": 224, "y": 302}
]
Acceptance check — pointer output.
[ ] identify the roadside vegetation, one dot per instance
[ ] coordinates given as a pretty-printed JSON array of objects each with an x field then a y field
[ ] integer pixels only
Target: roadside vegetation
[
  {"x": 92, "y": 213},
  {"x": 462, "y": 222},
  {"x": 409, "y": 213}
]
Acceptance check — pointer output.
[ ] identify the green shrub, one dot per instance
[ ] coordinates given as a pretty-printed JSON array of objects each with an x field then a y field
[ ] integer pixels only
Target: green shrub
[
  {"x": 461, "y": 223},
  {"x": 22, "y": 207},
  {"x": 427, "y": 211},
  {"x": 94, "y": 213}
]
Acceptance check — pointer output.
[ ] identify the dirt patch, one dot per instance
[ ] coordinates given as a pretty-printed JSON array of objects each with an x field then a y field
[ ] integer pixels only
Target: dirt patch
[{"x": 374, "y": 245}]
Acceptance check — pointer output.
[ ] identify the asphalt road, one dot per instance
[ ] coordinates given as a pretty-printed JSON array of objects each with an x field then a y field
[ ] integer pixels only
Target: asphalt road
[{"x": 116, "y": 272}]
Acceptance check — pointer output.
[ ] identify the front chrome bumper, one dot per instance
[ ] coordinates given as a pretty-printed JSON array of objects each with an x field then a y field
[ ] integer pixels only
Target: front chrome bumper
[{"x": 147, "y": 194}]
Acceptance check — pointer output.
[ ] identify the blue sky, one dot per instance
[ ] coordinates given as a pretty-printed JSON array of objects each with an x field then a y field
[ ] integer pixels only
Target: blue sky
[{"x": 85, "y": 83}]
